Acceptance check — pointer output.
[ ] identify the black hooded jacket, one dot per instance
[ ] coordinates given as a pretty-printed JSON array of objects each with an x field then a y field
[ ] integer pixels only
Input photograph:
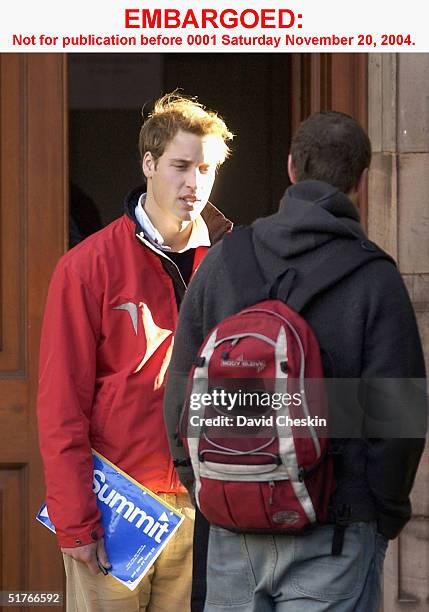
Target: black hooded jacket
[{"x": 365, "y": 326}]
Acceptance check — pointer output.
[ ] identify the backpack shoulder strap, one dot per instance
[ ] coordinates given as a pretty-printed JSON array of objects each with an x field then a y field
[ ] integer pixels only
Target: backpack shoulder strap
[
  {"x": 251, "y": 286},
  {"x": 243, "y": 268}
]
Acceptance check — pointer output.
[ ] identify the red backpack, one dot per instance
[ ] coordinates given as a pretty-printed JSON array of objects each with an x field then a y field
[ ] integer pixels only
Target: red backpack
[{"x": 255, "y": 421}]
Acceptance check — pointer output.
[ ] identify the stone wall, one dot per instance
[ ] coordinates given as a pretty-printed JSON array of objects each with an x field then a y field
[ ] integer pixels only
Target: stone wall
[{"x": 398, "y": 220}]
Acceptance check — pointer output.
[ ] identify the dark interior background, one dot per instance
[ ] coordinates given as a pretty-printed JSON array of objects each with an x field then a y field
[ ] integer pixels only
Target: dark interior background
[{"x": 106, "y": 94}]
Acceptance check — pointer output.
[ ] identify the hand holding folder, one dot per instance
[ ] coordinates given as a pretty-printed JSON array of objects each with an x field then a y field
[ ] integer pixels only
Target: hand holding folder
[{"x": 137, "y": 525}]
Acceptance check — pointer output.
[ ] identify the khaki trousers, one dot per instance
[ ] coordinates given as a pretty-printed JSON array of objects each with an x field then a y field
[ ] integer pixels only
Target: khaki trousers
[{"x": 165, "y": 588}]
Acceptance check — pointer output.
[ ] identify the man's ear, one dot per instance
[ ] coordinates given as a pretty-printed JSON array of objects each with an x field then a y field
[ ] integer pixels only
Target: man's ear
[
  {"x": 148, "y": 164},
  {"x": 355, "y": 193},
  {"x": 291, "y": 170},
  {"x": 362, "y": 180}
]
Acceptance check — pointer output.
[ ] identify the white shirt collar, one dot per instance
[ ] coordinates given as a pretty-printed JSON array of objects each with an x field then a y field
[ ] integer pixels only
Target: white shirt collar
[{"x": 199, "y": 234}]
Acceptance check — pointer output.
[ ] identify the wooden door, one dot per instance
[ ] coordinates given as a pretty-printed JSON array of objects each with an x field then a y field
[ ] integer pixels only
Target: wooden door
[{"x": 33, "y": 145}]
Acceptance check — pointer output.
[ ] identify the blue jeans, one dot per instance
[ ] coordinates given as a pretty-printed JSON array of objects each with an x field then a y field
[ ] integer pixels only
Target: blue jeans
[{"x": 257, "y": 573}]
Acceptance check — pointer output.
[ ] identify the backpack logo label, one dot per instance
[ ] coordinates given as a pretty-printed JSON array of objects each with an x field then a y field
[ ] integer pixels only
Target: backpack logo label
[
  {"x": 241, "y": 362},
  {"x": 286, "y": 516}
]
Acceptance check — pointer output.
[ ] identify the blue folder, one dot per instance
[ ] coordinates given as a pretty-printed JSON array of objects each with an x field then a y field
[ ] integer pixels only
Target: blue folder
[{"x": 137, "y": 523}]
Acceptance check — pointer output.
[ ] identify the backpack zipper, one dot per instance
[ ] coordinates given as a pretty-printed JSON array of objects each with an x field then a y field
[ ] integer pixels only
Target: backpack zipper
[
  {"x": 302, "y": 373},
  {"x": 272, "y": 486}
]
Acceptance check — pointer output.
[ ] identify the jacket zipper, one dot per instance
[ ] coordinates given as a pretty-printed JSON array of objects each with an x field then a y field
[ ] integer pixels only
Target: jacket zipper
[
  {"x": 160, "y": 253},
  {"x": 171, "y": 470}
]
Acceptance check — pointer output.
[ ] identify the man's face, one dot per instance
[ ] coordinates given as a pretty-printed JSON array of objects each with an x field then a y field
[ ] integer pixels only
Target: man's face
[{"x": 180, "y": 182}]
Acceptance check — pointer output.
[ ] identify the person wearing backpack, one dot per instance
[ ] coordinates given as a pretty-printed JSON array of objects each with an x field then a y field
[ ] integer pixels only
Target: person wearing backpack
[{"x": 302, "y": 290}]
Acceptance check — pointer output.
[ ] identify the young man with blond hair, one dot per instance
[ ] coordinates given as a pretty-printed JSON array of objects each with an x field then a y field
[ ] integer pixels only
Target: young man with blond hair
[{"x": 107, "y": 339}]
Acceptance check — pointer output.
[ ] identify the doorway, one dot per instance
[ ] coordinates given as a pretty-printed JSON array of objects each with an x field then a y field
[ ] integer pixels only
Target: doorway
[{"x": 106, "y": 93}]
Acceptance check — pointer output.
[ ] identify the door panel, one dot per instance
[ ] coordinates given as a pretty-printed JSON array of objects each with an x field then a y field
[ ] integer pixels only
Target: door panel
[{"x": 33, "y": 206}]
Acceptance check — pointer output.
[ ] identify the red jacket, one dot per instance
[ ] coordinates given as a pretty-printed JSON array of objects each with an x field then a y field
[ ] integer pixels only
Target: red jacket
[{"x": 106, "y": 344}]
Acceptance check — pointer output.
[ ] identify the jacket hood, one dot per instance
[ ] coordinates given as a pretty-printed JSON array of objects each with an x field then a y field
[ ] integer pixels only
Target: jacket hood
[
  {"x": 311, "y": 213},
  {"x": 216, "y": 222},
  {"x": 130, "y": 203}
]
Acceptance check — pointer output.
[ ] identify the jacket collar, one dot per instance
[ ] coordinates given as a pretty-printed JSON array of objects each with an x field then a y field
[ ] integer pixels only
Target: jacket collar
[
  {"x": 217, "y": 223},
  {"x": 311, "y": 214}
]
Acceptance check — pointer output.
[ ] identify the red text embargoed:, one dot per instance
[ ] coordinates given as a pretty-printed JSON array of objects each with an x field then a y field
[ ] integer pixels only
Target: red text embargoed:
[{"x": 211, "y": 18}]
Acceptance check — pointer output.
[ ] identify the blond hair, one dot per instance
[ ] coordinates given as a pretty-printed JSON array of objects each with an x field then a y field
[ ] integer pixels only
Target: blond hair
[{"x": 174, "y": 112}]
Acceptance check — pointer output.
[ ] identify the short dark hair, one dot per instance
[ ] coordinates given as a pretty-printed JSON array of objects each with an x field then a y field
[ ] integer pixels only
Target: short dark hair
[{"x": 331, "y": 146}]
